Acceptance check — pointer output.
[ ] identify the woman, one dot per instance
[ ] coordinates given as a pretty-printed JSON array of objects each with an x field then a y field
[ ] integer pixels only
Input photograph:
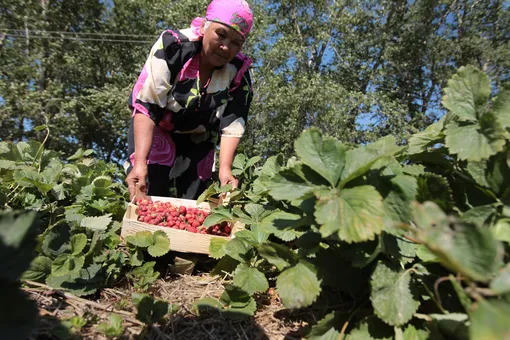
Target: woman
[{"x": 193, "y": 93}]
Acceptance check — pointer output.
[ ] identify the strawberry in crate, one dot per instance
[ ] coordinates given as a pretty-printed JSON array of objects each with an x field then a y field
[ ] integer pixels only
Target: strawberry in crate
[{"x": 164, "y": 214}]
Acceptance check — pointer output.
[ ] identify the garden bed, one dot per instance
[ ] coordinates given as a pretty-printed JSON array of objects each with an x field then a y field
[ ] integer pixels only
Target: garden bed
[{"x": 272, "y": 321}]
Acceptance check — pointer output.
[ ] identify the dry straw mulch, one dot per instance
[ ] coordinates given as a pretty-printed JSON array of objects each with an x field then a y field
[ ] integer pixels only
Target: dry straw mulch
[{"x": 272, "y": 320}]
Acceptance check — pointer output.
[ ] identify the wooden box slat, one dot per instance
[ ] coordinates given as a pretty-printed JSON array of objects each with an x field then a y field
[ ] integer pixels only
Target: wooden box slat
[{"x": 180, "y": 240}]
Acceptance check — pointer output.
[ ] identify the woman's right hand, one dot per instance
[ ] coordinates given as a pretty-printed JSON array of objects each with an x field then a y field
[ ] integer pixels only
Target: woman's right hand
[{"x": 137, "y": 176}]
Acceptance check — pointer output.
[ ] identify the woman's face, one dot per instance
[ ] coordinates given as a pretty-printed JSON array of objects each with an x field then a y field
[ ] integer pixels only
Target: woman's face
[{"x": 220, "y": 44}]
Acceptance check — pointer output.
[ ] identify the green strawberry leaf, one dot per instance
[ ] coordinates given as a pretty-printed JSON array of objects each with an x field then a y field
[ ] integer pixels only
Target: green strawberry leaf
[
  {"x": 240, "y": 303},
  {"x": 272, "y": 165},
  {"x": 501, "y": 230},
  {"x": 39, "y": 269},
  {"x": 324, "y": 155},
  {"x": 476, "y": 141},
  {"x": 218, "y": 215},
  {"x": 411, "y": 333},
  {"x": 391, "y": 295},
  {"x": 281, "y": 221},
  {"x": 360, "y": 160},
  {"x": 489, "y": 321},
  {"x": 113, "y": 328},
  {"x": 501, "y": 283},
  {"x": 217, "y": 248},
  {"x": 136, "y": 258},
  {"x": 250, "y": 279},
  {"x": 419, "y": 142},
  {"x": 371, "y": 328},
  {"x": 67, "y": 265},
  {"x": 328, "y": 328},
  {"x": 151, "y": 310},
  {"x": 96, "y": 223},
  {"x": 467, "y": 93},
  {"x": 277, "y": 254},
  {"x": 356, "y": 215},
  {"x": 238, "y": 249},
  {"x": 289, "y": 185},
  {"x": 78, "y": 243},
  {"x": 140, "y": 239},
  {"x": 160, "y": 245},
  {"x": 298, "y": 286},
  {"x": 462, "y": 247},
  {"x": 501, "y": 108}
]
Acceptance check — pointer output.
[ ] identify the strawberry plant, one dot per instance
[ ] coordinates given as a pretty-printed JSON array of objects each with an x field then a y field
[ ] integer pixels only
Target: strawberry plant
[
  {"x": 17, "y": 239},
  {"x": 79, "y": 202},
  {"x": 113, "y": 328},
  {"x": 379, "y": 240},
  {"x": 414, "y": 238}
]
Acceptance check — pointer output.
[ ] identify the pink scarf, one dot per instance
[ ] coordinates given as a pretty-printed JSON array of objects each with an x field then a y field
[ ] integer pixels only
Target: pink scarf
[{"x": 234, "y": 13}]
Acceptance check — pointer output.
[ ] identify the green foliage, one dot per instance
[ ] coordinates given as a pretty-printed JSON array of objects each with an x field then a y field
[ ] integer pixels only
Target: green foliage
[
  {"x": 467, "y": 93},
  {"x": 79, "y": 203},
  {"x": 113, "y": 328},
  {"x": 463, "y": 248},
  {"x": 356, "y": 215},
  {"x": 474, "y": 132},
  {"x": 151, "y": 310},
  {"x": 452, "y": 325},
  {"x": 250, "y": 279},
  {"x": 490, "y": 320},
  {"x": 392, "y": 296},
  {"x": 17, "y": 241},
  {"x": 233, "y": 304},
  {"x": 327, "y": 328},
  {"x": 157, "y": 244},
  {"x": 69, "y": 328},
  {"x": 326, "y": 155},
  {"x": 217, "y": 248},
  {"x": 143, "y": 276},
  {"x": 402, "y": 219},
  {"x": 501, "y": 283},
  {"x": 371, "y": 328},
  {"x": 298, "y": 285},
  {"x": 376, "y": 69}
]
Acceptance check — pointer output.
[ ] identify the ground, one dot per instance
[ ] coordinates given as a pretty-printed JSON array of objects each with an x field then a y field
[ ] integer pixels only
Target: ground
[{"x": 272, "y": 320}]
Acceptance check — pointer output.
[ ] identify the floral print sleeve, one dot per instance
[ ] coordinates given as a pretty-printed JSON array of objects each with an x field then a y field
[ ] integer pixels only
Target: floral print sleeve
[
  {"x": 233, "y": 120},
  {"x": 150, "y": 93}
]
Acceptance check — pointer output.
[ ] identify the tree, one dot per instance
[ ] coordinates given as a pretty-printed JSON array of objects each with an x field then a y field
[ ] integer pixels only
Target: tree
[
  {"x": 363, "y": 69},
  {"x": 358, "y": 70}
]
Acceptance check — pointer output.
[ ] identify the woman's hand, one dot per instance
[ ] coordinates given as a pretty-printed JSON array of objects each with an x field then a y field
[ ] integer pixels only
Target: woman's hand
[
  {"x": 136, "y": 177},
  {"x": 228, "y": 146},
  {"x": 226, "y": 177}
]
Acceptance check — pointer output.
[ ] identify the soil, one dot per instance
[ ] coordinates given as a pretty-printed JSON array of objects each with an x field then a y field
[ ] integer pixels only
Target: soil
[{"x": 272, "y": 320}]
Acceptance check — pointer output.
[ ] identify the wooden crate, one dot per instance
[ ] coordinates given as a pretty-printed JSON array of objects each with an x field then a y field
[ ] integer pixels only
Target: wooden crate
[{"x": 180, "y": 240}]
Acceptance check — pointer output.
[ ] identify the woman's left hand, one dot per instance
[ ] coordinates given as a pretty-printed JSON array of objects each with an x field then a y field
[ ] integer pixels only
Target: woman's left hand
[{"x": 226, "y": 177}]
